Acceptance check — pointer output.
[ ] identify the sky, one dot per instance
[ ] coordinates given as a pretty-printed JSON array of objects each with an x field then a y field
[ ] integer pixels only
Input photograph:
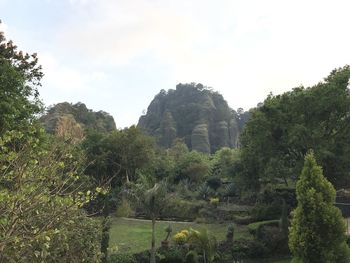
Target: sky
[{"x": 116, "y": 55}]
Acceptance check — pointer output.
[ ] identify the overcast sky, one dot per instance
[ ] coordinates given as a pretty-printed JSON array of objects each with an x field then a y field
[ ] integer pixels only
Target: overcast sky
[{"x": 116, "y": 55}]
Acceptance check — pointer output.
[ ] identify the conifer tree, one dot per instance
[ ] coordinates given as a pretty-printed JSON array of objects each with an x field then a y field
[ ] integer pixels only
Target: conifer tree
[{"x": 317, "y": 232}]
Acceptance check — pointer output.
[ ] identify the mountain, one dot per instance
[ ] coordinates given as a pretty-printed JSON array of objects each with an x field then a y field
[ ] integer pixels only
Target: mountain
[
  {"x": 72, "y": 120},
  {"x": 196, "y": 114}
]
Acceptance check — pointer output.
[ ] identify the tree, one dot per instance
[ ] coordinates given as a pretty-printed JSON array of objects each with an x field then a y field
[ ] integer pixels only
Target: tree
[
  {"x": 152, "y": 201},
  {"x": 20, "y": 77},
  {"x": 115, "y": 157},
  {"x": 280, "y": 132},
  {"x": 192, "y": 166},
  {"x": 317, "y": 232},
  {"x": 41, "y": 195}
]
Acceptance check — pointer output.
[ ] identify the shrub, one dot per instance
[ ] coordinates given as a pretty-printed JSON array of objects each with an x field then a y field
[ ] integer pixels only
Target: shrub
[
  {"x": 273, "y": 239},
  {"x": 124, "y": 209},
  {"x": 231, "y": 190},
  {"x": 255, "y": 228},
  {"x": 172, "y": 255},
  {"x": 183, "y": 209},
  {"x": 214, "y": 201},
  {"x": 266, "y": 211},
  {"x": 122, "y": 258},
  {"x": 348, "y": 240},
  {"x": 142, "y": 257},
  {"x": 243, "y": 220},
  {"x": 230, "y": 233},
  {"x": 246, "y": 248},
  {"x": 214, "y": 182},
  {"x": 204, "y": 191},
  {"x": 191, "y": 257}
]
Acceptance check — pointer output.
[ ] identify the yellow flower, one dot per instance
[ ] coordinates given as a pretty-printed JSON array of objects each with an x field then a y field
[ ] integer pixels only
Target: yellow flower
[{"x": 181, "y": 237}]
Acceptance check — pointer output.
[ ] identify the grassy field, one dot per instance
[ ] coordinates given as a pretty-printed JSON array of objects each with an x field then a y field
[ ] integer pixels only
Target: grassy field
[{"x": 133, "y": 236}]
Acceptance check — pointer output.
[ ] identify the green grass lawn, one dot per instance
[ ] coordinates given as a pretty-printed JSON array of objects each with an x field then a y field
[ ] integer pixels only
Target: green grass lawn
[{"x": 135, "y": 235}]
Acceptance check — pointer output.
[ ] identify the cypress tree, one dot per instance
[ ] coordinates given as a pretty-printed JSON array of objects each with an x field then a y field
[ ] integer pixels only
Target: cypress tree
[{"x": 317, "y": 232}]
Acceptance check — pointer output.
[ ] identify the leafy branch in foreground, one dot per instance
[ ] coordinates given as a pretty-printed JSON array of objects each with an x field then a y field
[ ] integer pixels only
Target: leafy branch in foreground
[{"x": 41, "y": 195}]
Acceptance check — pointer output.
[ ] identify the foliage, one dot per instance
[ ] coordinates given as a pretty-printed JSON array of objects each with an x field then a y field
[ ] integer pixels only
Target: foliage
[
  {"x": 194, "y": 166},
  {"x": 124, "y": 209},
  {"x": 225, "y": 160},
  {"x": 115, "y": 157},
  {"x": 193, "y": 112},
  {"x": 204, "y": 243},
  {"x": 192, "y": 257},
  {"x": 78, "y": 114},
  {"x": 122, "y": 258},
  {"x": 254, "y": 228},
  {"x": 105, "y": 238},
  {"x": 172, "y": 255},
  {"x": 40, "y": 200},
  {"x": 280, "y": 132},
  {"x": 182, "y": 209},
  {"x": 168, "y": 230},
  {"x": 214, "y": 182},
  {"x": 230, "y": 233},
  {"x": 317, "y": 232},
  {"x": 204, "y": 191},
  {"x": 271, "y": 201},
  {"x": 20, "y": 77},
  {"x": 214, "y": 201},
  {"x": 153, "y": 201},
  {"x": 247, "y": 248}
]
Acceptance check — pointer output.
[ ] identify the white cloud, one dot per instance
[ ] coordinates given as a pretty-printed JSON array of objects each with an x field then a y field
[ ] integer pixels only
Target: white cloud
[
  {"x": 242, "y": 48},
  {"x": 61, "y": 77}
]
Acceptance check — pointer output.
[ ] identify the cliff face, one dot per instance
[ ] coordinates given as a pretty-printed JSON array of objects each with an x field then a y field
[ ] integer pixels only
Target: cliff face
[
  {"x": 71, "y": 120},
  {"x": 195, "y": 113}
]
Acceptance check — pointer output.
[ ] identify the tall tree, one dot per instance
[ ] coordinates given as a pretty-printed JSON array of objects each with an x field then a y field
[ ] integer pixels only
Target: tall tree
[
  {"x": 153, "y": 201},
  {"x": 20, "y": 77},
  {"x": 317, "y": 232},
  {"x": 280, "y": 132}
]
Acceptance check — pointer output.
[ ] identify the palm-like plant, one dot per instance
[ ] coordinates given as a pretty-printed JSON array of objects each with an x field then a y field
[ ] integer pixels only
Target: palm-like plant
[
  {"x": 204, "y": 243},
  {"x": 153, "y": 201}
]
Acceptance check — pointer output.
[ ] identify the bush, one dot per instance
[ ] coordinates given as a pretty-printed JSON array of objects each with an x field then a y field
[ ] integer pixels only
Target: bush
[
  {"x": 182, "y": 209},
  {"x": 214, "y": 182},
  {"x": 348, "y": 240},
  {"x": 246, "y": 248},
  {"x": 273, "y": 239},
  {"x": 142, "y": 257},
  {"x": 230, "y": 232},
  {"x": 214, "y": 202},
  {"x": 243, "y": 220},
  {"x": 255, "y": 228},
  {"x": 191, "y": 257},
  {"x": 266, "y": 211},
  {"x": 122, "y": 258},
  {"x": 270, "y": 203},
  {"x": 124, "y": 209},
  {"x": 172, "y": 255}
]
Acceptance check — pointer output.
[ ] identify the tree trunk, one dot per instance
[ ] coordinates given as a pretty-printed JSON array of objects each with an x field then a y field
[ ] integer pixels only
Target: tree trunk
[{"x": 153, "y": 247}]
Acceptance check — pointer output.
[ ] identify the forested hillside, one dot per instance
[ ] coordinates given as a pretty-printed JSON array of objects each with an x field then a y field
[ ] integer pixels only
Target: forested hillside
[
  {"x": 71, "y": 120},
  {"x": 196, "y": 114}
]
